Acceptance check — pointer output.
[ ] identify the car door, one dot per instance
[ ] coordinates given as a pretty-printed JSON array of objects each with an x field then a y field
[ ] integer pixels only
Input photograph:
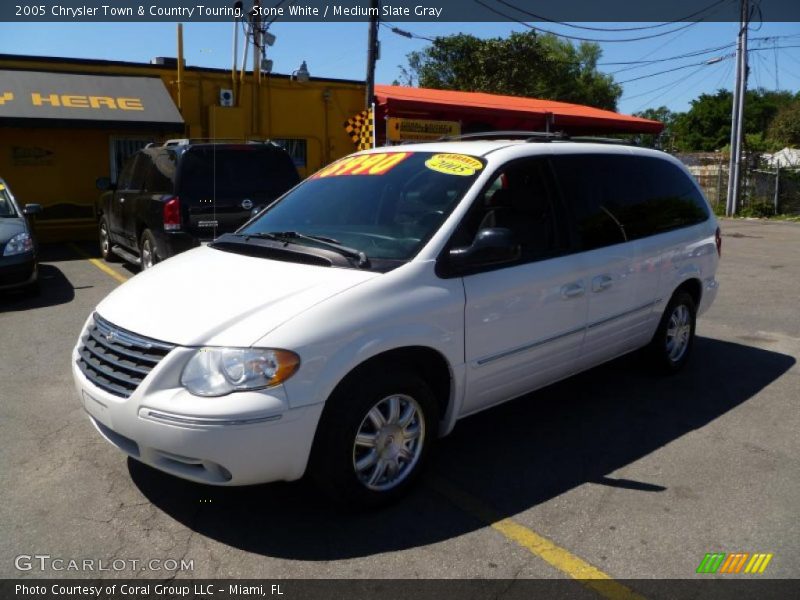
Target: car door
[
  {"x": 597, "y": 187},
  {"x": 523, "y": 321},
  {"x": 118, "y": 199}
]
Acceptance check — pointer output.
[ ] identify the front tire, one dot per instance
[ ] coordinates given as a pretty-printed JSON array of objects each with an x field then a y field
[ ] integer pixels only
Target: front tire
[
  {"x": 374, "y": 437},
  {"x": 147, "y": 250},
  {"x": 672, "y": 343}
]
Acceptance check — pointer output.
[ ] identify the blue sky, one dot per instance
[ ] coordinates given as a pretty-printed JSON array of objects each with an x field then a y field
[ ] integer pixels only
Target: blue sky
[{"x": 339, "y": 49}]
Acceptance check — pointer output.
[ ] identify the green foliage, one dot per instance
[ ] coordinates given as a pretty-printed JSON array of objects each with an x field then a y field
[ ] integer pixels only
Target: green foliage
[
  {"x": 665, "y": 116},
  {"x": 785, "y": 127},
  {"x": 760, "y": 210},
  {"x": 707, "y": 124},
  {"x": 523, "y": 64}
]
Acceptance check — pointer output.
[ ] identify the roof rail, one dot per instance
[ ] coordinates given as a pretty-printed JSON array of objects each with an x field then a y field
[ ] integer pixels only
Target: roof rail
[
  {"x": 528, "y": 136},
  {"x": 187, "y": 141},
  {"x": 603, "y": 140},
  {"x": 536, "y": 136}
]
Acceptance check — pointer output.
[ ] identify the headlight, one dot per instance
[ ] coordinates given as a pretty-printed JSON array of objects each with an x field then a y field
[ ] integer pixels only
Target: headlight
[
  {"x": 22, "y": 242},
  {"x": 220, "y": 371}
]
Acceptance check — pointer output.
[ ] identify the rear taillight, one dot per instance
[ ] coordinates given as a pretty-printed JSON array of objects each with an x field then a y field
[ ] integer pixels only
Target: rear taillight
[
  {"x": 718, "y": 240},
  {"x": 172, "y": 214}
]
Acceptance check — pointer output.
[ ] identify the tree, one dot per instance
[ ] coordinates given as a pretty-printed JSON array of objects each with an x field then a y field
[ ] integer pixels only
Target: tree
[
  {"x": 664, "y": 140},
  {"x": 785, "y": 127},
  {"x": 523, "y": 64},
  {"x": 707, "y": 124}
]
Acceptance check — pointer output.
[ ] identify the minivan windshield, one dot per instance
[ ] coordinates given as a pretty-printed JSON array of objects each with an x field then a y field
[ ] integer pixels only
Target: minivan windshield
[{"x": 385, "y": 205}]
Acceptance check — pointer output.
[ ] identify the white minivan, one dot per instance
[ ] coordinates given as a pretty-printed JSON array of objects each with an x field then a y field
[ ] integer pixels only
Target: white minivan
[{"x": 357, "y": 318}]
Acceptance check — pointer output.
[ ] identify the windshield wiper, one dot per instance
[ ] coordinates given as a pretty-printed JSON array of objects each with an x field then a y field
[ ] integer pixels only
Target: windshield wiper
[{"x": 281, "y": 236}]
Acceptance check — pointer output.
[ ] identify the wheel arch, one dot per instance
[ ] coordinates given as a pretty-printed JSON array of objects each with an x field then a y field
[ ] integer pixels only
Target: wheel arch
[
  {"x": 694, "y": 287},
  {"x": 430, "y": 363}
]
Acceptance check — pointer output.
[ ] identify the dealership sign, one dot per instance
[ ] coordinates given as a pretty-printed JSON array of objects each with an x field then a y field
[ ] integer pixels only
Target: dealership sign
[
  {"x": 401, "y": 130},
  {"x": 39, "y": 95}
]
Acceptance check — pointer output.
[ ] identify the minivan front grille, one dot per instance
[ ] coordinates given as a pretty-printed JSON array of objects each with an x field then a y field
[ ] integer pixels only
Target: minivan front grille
[{"x": 117, "y": 360}]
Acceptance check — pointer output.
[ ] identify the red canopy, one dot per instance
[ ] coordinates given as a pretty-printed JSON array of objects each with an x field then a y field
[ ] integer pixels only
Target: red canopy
[{"x": 479, "y": 112}]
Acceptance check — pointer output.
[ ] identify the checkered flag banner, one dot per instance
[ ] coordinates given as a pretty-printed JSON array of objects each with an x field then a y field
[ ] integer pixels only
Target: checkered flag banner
[{"x": 361, "y": 129}]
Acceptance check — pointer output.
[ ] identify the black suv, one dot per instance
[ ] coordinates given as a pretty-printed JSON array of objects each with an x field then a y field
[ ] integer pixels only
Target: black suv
[{"x": 171, "y": 198}]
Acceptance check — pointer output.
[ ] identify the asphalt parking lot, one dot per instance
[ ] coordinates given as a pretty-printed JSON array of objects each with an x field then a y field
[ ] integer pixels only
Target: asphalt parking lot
[{"x": 614, "y": 473}]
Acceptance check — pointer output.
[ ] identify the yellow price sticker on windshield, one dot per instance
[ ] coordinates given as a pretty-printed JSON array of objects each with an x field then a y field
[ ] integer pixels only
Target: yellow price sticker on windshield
[
  {"x": 2, "y": 187},
  {"x": 454, "y": 164},
  {"x": 363, "y": 164}
]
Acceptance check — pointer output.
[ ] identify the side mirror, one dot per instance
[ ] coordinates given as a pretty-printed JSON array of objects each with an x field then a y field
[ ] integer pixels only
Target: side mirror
[
  {"x": 491, "y": 246},
  {"x": 32, "y": 209},
  {"x": 104, "y": 184}
]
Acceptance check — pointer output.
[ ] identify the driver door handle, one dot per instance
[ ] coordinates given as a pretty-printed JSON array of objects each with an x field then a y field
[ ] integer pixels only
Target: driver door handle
[
  {"x": 572, "y": 290},
  {"x": 602, "y": 282}
]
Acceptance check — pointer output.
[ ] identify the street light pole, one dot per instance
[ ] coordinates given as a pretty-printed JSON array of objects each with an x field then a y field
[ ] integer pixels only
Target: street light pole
[
  {"x": 372, "y": 53},
  {"x": 737, "y": 114}
]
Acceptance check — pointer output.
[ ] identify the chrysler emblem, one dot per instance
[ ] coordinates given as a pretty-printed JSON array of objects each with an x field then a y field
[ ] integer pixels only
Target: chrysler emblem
[
  {"x": 247, "y": 204},
  {"x": 111, "y": 336}
]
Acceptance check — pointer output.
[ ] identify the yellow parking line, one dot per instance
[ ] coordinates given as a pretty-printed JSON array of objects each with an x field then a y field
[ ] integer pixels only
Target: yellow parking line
[
  {"x": 560, "y": 558},
  {"x": 100, "y": 264}
]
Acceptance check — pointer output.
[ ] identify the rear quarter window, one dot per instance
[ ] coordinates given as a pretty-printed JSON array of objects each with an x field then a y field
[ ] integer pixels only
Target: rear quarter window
[
  {"x": 237, "y": 170},
  {"x": 616, "y": 197}
]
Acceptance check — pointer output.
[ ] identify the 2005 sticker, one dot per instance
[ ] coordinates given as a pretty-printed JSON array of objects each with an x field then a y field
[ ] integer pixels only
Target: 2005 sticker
[
  {"x": 454, "y": 164},
  {"x": 364, "y": 164}
]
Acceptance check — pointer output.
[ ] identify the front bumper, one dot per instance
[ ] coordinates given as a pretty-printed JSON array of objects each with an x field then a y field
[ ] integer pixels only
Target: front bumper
[
  {"x": 240, "y": 439},
  {"x": 17, "y": 271}
]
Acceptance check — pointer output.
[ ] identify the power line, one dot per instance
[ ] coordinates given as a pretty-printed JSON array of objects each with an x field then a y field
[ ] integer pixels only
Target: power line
[
  {"x": 579, "y": 38},
  {"x": 404, "y": 33},
  {"x": 710, "y": 61},
  {"x": 612, "y": 29}
]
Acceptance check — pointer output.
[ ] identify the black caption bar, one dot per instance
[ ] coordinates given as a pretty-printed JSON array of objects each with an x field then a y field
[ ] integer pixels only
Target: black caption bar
[
  {"x": 387, "y": 589},
  {"x": 542, "y": 13}
]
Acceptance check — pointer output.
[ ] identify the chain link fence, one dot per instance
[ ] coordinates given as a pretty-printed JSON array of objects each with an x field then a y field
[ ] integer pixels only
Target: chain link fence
[{"x": 765, "y": 190}]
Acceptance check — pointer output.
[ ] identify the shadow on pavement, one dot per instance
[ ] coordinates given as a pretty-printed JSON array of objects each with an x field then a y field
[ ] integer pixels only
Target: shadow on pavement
[
  {"x": 54, "y": 287},
  {"x": 511, "y": 457}
]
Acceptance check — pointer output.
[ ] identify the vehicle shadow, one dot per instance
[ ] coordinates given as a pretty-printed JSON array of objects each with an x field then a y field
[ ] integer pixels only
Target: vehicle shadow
[
  {"x": 511, "y": 458},
  {"x": 54, "y": 287}
]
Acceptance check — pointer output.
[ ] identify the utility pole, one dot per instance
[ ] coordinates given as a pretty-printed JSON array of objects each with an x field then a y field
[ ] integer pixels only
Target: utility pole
[
  {"x": 372, "y": 52},
  {"x": 737, "y": 114}
]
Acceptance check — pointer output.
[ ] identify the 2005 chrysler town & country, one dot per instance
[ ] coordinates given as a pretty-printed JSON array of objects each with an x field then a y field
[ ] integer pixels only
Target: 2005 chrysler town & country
[{"x": 357, "y": 318}]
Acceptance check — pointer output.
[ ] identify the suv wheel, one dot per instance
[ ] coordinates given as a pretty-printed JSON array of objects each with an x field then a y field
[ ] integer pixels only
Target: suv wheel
[
  {"x": 374, "y": 438},
  {"x": 672, "y": 343},
  {"x": 147, "y": 250},
  {"x": 105, "y": 242}
]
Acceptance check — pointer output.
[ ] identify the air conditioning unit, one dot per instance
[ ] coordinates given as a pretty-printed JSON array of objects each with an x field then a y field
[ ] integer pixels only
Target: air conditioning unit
[{"x": 226, "y": 97}]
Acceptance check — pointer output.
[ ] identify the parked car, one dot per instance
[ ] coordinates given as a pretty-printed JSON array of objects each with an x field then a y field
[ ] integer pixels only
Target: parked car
[
  {"x": 392, "y": 293},
  {"x": 18, "y": 249},
  {"x": 171, "y": 198}
]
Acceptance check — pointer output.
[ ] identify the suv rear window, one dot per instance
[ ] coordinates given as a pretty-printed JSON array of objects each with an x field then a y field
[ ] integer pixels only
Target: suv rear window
[{"x": 238, "y": 170}]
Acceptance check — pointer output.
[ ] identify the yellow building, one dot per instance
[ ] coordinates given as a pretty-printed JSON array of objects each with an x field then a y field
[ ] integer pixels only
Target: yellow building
[{"x": 66, "y": 122}]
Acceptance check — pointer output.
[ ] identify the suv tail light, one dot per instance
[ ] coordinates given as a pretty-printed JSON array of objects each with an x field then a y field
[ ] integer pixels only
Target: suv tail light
[
  {"x": 718, "y": 240},
  {"x": 172, "y": 214}
]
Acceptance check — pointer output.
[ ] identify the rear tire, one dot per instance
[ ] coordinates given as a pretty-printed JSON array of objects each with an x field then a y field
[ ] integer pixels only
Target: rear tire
[
  {"x": 105, "y": 242},
  {"x": 374, "y": 437},
  {"x": 147, "y": 250},
  {"x": 672, "y": 343}
]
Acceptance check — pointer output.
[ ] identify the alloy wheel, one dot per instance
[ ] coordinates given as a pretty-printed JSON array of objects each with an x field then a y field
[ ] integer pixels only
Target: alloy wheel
[{"x": 389, "y": 442}]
